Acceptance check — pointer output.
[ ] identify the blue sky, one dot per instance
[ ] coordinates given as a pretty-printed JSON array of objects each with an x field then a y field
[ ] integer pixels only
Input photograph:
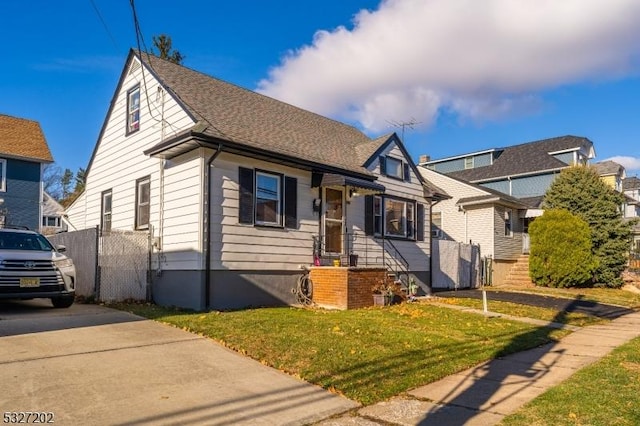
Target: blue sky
[{"x": 471, "y": 75}]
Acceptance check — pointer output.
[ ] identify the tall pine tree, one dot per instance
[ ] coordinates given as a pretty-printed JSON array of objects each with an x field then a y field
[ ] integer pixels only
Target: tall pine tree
[{"x": 580, "y": 190}]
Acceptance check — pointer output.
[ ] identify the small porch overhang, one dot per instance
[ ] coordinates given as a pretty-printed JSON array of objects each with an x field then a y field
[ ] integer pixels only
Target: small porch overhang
[{"x": 362, "y": 186}]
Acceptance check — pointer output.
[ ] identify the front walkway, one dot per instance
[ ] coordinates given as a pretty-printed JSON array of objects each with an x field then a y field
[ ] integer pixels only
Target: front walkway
[{"x": 483, "y": 395}]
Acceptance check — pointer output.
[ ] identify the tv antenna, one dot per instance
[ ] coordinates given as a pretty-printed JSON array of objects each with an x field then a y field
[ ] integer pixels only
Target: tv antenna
[{"x": 411, "y": 124}]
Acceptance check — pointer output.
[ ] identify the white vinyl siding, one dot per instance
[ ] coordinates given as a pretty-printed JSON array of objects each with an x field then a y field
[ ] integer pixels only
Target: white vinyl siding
[
  {"x": 473, "y": 224},
  {"x": 119, "y": 161},
  {"x": 415, "y": 252},
  {"x": 239, "y": 246}
]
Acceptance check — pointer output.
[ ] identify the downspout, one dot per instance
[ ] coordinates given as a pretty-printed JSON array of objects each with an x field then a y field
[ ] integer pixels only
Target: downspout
[{"x": 207, "y": 227}]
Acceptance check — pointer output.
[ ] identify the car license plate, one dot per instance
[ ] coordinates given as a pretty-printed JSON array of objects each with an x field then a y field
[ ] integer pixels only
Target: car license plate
[{"x": 29, "y": 282}]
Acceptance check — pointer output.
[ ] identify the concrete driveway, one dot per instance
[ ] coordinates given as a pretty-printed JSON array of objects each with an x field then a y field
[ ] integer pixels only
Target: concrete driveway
[{"x": 94, "y": 365}]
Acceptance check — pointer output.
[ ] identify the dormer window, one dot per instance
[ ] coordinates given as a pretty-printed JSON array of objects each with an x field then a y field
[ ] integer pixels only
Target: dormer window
[
  {"x": 133, "y": 110},
  {"x": 395, "y": 168}
]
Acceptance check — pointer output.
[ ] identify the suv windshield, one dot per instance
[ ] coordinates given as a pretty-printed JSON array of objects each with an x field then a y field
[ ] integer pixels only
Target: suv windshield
[{"x": 24, "y": 241}]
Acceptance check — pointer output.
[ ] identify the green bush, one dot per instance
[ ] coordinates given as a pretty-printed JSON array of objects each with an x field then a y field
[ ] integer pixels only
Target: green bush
[
  {"x": 581, "y": 191},
  {"x": 560, "y": 253}
]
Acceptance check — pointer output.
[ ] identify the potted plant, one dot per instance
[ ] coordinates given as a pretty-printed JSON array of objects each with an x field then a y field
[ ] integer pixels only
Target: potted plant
[{"x": 382, "y": 294}]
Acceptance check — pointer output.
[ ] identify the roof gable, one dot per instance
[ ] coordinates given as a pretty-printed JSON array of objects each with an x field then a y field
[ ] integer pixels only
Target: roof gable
[{"x": 23, "y": 138}]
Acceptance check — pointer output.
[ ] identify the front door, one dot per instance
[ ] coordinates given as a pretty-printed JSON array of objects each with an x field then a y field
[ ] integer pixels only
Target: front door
[{"x": 333, "y": 220}]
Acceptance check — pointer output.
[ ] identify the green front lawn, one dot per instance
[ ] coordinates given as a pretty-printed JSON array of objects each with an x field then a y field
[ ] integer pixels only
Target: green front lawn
[
  {"x": 603, "y": 394},
  {"x": 367, "y": 354}
]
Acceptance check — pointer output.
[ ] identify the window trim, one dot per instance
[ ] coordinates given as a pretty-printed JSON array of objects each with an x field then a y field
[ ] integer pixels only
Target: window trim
[
  {"x": 414, "y": 222},
  {"x": 280, "y": 199},
  {"x": 378, "y": 215},
  {"x": 3, "y": 175},
  {"x": 139, "y": 182},
  {"x": 103, "y": 213},
  {"x": 508, "y": 222},
  {"x": 45, "y": 221},
  {"x": 400, "y": 164},
  {"x": 129, "y": 122}
]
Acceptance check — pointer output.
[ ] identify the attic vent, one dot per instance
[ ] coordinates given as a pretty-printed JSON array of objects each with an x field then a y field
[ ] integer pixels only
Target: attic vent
[{"x": 135, "y": 66}]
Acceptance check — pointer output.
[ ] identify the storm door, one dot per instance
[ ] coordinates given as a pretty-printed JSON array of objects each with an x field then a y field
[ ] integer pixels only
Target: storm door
[{"x": 333, "y": 220}]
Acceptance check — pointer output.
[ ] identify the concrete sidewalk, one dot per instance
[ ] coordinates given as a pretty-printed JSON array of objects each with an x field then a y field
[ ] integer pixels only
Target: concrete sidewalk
[{"x": 483, "y": 395}]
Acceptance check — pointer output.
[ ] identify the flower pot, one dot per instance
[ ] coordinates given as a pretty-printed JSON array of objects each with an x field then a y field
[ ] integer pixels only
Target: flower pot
[{"x": 381, "y": 300}]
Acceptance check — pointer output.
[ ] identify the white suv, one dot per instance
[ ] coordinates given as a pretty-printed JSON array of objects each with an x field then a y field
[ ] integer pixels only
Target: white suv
[{"x": 31, "y": 267}]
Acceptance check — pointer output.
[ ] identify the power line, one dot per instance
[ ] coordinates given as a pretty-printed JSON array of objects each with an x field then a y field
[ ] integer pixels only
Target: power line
[{"x": 104, "y": 24}]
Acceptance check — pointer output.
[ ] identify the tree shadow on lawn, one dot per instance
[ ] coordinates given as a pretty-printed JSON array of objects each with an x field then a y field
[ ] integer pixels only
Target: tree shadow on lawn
[
  {"x": 384, "y": 377},
  {"x": 497, "y": 386}
]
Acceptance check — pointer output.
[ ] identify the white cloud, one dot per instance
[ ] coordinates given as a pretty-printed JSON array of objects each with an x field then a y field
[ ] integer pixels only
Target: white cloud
[
  {"x": 631, "y": 164},
  {"x": 479, "y": 59}
]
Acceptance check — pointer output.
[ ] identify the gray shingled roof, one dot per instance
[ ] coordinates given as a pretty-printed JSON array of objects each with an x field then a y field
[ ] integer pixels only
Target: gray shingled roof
[
  {"x": 630, "y": 183},
  {"x": 525, "y": 158},
  {"x": 238, "y": 115},
  {"x": 608, "y": 167}
]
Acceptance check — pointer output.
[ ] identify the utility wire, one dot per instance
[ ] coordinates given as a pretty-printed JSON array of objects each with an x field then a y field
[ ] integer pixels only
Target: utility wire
[{"x": 104, "y": 24}]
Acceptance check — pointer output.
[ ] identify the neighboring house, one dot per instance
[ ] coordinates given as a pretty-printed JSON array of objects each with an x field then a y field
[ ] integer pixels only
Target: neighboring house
[
  {"x": 631, "y": 190},
  {"x": 52, "y": 215},
  {"x": 240, "y": 190},
  {"x": 23, "y": 154},
  {"x": 495, "y": 221},
  {"x": 523, "y": 171},
  {"x": 611, "y": 173}
]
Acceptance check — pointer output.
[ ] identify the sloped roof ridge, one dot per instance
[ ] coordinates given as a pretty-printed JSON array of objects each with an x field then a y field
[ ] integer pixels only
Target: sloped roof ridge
[
  {"x": 249, "y": 91},
  {"x": 542, "y": 141},
  {"x": 240, "y": 115}
]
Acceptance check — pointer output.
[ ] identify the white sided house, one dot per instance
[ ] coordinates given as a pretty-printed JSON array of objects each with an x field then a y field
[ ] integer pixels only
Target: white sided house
[
  {"x": 497, "y": 222},
  {"x": 238, "y": 190}
]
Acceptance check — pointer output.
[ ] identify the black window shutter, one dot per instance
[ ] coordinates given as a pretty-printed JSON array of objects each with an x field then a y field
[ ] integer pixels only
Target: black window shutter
[
  {"x": 407, "y": 172},
  {"x": 290, "y": 202},
  {"x": 368, "y": 214},
  {"x": 383, "y": 165},
  {"x": 420, "y": 222},
  {"x": 245, "y": 178}
]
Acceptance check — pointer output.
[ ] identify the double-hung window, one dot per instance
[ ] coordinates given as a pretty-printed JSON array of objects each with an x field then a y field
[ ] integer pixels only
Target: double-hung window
[
  {"x": 377, "y": 215},
  {"x": 395, "y": 168},
  {"x": 508, "y": 223},
  {"x": 105, "y": 218},
  {"x": 133, "y": 110},
  {"x": 143, "y": 202},
  {"x": 268, "y": 199}
]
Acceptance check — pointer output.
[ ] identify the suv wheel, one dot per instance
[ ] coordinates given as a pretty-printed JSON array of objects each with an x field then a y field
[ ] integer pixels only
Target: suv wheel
[{"x": 62, "y": 302}]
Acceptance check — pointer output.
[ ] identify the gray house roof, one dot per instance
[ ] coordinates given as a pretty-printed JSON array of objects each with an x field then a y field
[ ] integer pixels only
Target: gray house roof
[
  {"x": 630, "y": 183},
  {"x": 235, "y": 115},
  {"x": 526, "y": 158},
  {"x": 608, "y": 167}
]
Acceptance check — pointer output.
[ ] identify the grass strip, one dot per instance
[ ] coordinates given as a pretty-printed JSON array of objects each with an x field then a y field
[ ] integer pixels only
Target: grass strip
[{"x": 604, "y": 393}]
